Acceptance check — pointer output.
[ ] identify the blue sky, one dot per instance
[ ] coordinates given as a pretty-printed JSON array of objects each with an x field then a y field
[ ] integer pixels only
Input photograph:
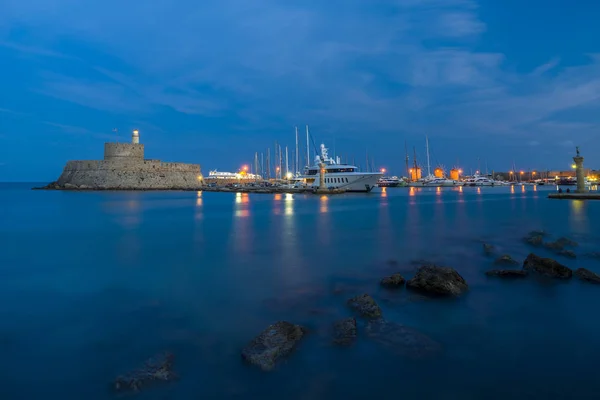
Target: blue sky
[{"x": 212, "y": 82}]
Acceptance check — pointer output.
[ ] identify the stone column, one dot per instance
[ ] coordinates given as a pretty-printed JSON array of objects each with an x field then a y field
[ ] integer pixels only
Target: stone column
[
  {"x": 322, "y": 176},
  {"x": 579, "y": 172}
]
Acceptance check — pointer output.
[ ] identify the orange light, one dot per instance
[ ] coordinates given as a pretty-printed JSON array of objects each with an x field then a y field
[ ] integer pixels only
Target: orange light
[
  {"x": 533, "y": 172},
  {"x": 383, "y": 170},
  {"x": 521, "y": 172},
  {"x": 245, "y": 168}
]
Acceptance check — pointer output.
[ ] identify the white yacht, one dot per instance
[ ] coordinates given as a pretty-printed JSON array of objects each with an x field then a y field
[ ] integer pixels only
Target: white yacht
[
  {"x": 436, "y": 182},
  {"x": 338, "y": 175},
  {"x": 477, "y": 180}
]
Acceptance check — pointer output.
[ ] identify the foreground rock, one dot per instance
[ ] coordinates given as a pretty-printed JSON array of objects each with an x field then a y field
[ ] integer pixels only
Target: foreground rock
[
  {"x": 507, "y": 273},
  {"x": 344, "y": 331},
  {"x": 587, "y": 275},
  {"x": 547, "y": 267},
  {"x": 157, "y": 369},
  {"x": 365, "y": 306},
  {"x": 402, "y": 340},
  {"x": 274, "y": 343},
  {"x": 438, "y": 280},
  {"x": 505, "y": 259},
  {"x": 393, "y": 281}
]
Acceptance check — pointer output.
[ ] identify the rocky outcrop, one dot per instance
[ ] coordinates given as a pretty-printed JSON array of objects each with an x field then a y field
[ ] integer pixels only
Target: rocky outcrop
[
  {"x": 438, "y": 280},
  {"x": 344, "y": 331},
  {"x": 393, "y": 281},
  {"x": 507, "y": 273},
  {"x": 401, "y": 339},
  {"x": 546, "y": 267},
  {"x": 505, "y": 259},
  {"x": 587, "y": 275},
  {"x": 157, "y": 369},
  {"x": 274, "y": 343},
  {"x": 365, "y": 306}
]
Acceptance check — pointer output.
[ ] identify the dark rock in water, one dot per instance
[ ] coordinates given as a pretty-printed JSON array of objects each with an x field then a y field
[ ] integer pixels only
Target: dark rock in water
[
  {"x": 488, "y": 249},
  {"x": 567, "y": 253},
  {"x": 365, "y": 306},
  {"x": 547, "y": 267},
  {"x": 505, "y": 259},
  {"x": 556, "y": 246},
  {"x": 275, "y": 342},
  {"x": 344, "y": 331},
  {"x": 438, "y": 280},
  {"x": 534, "y": 240},
  {"x": 402, "y": 340},
  {"x": 566, "y": 242},
  {"x": 50, "y": 186},
  {"x": 587, "y": 275},
  {"x": 507, "y": 273},
  {"x": 155, "y": 369},
  {"x": 393, "y": 281}
]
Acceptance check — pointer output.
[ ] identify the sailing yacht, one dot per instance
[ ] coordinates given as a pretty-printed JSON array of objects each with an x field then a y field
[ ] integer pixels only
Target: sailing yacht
[{"x": 338, "y": 175}]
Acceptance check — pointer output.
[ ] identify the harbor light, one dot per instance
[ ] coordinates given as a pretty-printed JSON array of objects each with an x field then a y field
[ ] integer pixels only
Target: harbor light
[
  {"x": 245, "y": 168},
  {"x": 383, "y": 170},
  {"x": 289, "y": 175},
  {"x": 573, "y": 166}
]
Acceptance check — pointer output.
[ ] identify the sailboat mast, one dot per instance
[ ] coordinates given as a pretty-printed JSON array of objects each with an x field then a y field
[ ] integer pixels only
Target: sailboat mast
[
  {"x": 406, "y": 153},
  {"x": 307, "y": 149},
  {"x": 297, "y": 165},
  {"x": 287, "y": 166},
  {"x": 428, "y": 165}
]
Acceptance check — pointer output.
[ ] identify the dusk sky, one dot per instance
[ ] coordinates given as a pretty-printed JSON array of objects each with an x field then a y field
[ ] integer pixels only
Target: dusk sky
[{"x": 212, "y": 82}]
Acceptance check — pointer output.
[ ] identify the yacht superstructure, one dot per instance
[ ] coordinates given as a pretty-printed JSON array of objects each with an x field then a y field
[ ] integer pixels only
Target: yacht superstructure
[{"x": 338, "y": 175}]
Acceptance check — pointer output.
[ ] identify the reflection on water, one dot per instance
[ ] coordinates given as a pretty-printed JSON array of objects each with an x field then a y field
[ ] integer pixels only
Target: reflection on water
[
  {"x": 289, "y": 204},
  {"x": 384, "y": 192},
  {"x": 241, "y": 205},
  {"x": 324, "y": 204},
  {"x": 512, "y": 188}
]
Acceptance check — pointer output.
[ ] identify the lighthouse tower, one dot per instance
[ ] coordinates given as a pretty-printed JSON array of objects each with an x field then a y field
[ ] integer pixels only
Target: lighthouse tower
[{"x": 135, "y": 137}]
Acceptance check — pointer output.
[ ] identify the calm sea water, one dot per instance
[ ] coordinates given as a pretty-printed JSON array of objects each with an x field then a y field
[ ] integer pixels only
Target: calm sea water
[{"x": 92, "y": 284}]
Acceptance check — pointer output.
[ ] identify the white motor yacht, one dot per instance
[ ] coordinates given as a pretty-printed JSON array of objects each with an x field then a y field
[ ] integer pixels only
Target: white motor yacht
[{"x": 338, "y": 175}]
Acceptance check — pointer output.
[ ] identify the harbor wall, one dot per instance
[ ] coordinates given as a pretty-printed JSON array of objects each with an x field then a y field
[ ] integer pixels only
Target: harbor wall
[{"x": 129, "y": 173}]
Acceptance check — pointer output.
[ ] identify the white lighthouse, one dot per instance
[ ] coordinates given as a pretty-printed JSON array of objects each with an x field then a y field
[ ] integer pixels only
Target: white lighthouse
[{"x": 135, "y": 136}]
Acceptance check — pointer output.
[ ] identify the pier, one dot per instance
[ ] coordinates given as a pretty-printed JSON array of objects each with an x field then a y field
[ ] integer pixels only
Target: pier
[{"x": 575, "y": 196}]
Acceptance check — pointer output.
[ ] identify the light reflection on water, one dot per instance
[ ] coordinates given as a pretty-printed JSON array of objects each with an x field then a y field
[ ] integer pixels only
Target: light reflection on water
[{"x": 198, "y": 286}]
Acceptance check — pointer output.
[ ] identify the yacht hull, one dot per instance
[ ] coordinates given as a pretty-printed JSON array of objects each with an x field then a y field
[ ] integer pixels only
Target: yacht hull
[{"x": 350, "y": 182}]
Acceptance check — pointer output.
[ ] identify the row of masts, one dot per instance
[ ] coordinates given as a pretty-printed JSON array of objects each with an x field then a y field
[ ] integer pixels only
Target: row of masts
[{"x": 276, "y": 164}]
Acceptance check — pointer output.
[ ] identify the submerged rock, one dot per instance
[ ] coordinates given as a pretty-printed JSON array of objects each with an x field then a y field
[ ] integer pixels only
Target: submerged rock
[
  {"x": 155, "y": 369},
  {"x": 567, "y": 253},
  {"x": 547, "y": 267},
  {"x": 593, "y": 254},
  {"x": 507, "y": 273},
  {"x": 488, "y": 249},
  {"x": 566, "y": 242},
  {"x": 438, "y": 280},
  {"x": 587, "y": 275},
  {"x": 556, "y": 246},
  {"x": 401, "y": 339},
  {"x": 506, "y": 260},
  {"x": 393, "y": 281},
  {"x": 540, "y": 232},
  {"x": 344, "y": 331},
  {"x": 274, "y": 343},
  {"x": 366, "y": 306},
  {"x": 534, "y": 240}
]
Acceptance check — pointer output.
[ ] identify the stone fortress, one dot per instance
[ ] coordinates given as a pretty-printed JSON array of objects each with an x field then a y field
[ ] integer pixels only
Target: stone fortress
[{"x": 124, "y": 168}]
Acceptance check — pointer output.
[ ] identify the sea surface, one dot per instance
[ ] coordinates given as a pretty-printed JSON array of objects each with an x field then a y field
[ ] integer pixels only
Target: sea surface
[{"x": 94, "y": 283}]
